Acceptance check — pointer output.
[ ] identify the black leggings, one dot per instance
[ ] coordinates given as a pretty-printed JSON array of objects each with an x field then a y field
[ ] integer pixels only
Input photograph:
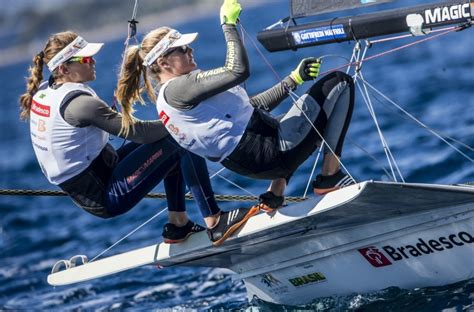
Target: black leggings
[{"x": 274, "y": 148}]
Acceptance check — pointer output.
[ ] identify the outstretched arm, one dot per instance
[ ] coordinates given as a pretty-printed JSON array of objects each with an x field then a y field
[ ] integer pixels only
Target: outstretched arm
[
  {"x": 271, "y": 98},
  {"x": 187, "y": 91},
  {"x": 85, "y": 110}
]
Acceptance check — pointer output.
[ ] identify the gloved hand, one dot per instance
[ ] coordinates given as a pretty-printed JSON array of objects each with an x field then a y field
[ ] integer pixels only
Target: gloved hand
[
  {"x": 308, "y": 69},
  {"x": 230, "y": 11}
]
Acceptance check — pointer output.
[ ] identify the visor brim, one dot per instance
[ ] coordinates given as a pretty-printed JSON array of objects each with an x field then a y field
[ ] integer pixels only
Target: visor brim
[{"x": 90, "y": 49}]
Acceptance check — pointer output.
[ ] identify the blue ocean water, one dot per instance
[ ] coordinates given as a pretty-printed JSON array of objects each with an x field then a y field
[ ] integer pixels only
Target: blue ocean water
[{"x": 432, "y": 80}]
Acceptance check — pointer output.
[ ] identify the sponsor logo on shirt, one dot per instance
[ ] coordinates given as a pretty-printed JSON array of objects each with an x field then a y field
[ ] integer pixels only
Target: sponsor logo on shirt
[
  {"x": 421, "y": 247},
  {"x": 40, "y": 109},
  {"x": 174, "y": 130},
  {"x": 164, "y": 118},
  {"x": 40, "y": 147}
]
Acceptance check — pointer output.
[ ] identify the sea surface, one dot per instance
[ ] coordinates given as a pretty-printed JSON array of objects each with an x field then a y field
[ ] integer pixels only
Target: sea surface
[{"x": 433, "y": 80}]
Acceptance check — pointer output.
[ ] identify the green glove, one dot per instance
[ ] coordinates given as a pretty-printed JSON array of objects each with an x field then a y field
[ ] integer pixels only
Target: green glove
[
  {"x": 230, "y": 11},
  {"x": 308, "y": 69}
]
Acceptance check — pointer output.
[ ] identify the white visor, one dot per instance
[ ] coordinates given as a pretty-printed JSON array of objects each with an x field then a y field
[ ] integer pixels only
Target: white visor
[
  {"x": 79, "y": 47},
  {"x": 172, "y": 39}
]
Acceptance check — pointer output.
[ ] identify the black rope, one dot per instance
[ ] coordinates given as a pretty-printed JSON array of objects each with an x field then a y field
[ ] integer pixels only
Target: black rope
[{"x": 246, "y": 198}]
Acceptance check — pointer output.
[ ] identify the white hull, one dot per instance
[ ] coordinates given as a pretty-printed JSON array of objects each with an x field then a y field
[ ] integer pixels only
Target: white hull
[
  {"x": 316, "y": 248},
  {"x": 338, "y": 267}
]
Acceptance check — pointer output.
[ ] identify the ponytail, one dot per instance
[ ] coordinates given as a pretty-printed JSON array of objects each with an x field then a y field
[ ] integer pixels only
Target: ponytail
[
  {"x": 128, "y": 87},
  {"x": 32, "y": 85}
]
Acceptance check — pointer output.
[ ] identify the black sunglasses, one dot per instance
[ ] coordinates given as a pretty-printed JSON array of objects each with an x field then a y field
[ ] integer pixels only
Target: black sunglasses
[{"x": 182, "y": 49}]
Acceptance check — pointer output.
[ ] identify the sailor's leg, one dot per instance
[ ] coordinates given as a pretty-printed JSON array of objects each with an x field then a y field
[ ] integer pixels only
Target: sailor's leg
[
  {"x": 327, "y": 106},
  {"x": 175, "y": 192},
  {"x": 339, "y": 117},
  {"x": 139, "y": 171},
  {"x": 196, "y": 175}
]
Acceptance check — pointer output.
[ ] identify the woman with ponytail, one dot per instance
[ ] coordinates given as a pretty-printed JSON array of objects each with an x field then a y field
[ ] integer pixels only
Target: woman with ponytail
[
  {"x": 209, "y": 114},
  {"x": 70, "y": 127}
]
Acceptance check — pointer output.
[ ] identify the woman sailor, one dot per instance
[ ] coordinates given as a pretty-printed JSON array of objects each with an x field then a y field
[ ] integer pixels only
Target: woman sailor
[
  {"x": 70, "y": 127},
  {"x": 209, "y": 114}
]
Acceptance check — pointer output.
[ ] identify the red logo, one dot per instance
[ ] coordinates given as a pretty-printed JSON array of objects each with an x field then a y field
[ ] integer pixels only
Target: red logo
[
  {"x": 164, "y": 118},
  {"x": 40, "y": 109},
  {"x": 374, "y": 256}
]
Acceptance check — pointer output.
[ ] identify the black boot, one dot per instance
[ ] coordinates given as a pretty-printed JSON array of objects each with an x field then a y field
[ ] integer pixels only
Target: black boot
[
  {"x": 173, "y": 234},
  {"x": 325, "y": 184}
]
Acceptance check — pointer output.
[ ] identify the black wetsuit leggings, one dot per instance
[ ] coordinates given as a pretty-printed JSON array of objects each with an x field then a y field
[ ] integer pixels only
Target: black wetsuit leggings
[{"x": 274, "y": 148}]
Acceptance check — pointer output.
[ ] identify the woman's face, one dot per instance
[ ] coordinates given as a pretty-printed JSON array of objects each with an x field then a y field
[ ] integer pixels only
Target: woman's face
[
  {"x": 79, "y": 69},
  {"x": 181, "y": 60}
]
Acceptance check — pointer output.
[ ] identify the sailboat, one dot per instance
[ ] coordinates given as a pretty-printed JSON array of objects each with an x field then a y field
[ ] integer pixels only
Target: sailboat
[{"x": 364, "y": 237}]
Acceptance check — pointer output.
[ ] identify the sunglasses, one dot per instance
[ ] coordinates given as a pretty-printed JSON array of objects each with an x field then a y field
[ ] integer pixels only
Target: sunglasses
[
  {"x": 182, "y": 49},
  {"x": 81, "y": 60}
]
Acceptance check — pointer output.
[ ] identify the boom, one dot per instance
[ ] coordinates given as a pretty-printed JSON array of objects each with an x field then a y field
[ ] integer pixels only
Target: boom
[{"x": 418, "y": 20}]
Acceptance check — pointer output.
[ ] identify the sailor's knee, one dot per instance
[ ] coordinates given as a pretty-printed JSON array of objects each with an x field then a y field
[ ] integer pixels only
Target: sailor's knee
[
  {"x": 337, "y": 77},
  {"x": 321, "y": 89},
  {"x": 101, "y": 212}
]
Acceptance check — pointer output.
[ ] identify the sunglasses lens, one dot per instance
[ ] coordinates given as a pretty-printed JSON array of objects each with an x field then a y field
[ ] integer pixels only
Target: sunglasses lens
[
  {"x": 181, "y": 49},
  {"x": 81, "y": 59}
]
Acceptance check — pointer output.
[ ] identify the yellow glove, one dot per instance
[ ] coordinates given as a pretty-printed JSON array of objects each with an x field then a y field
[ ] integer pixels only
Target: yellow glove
[
  {"x": 308, "y": 69},
  {"x": 230, "y": 11}
]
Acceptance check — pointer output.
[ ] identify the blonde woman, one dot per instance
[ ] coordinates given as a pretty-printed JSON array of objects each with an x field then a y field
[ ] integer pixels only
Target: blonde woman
[
  {"x": 209, "y": 114},
  {"x": 70, "y": 127}
]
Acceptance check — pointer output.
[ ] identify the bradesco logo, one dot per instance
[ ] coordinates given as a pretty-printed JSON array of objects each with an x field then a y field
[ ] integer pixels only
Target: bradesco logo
[
  {"x": 374, "y": 256},
  {"x": 379, "y": 259}
]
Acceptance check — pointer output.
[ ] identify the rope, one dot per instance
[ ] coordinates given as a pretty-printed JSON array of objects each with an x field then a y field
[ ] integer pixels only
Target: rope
[
  {"x": 131, "y": 32},
  {"x": 449, "y": 30},
  {"x": 416, "y": 120},
  {"x": 239, "y": 198}
]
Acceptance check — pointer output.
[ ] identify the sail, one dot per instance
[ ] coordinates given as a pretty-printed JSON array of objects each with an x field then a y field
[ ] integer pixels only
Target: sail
[{"x": 301, "y": 8}]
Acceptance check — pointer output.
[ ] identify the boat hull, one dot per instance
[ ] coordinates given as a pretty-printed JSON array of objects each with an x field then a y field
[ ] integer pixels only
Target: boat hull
[
  {"x": 431, "y": 253},
  {"x": 361, "y": 238}
]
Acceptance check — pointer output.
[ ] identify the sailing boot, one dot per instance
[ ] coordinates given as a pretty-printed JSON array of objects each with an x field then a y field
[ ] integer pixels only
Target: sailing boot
[
  {"x": 228, "y": 223},
  {"x": 269, "y": 202},
  {"x": 173, "y": 234},
  {"x": 325, "y": 184}
]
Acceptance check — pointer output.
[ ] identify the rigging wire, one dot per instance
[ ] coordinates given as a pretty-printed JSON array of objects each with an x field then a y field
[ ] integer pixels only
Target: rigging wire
[
  {"x": 416, "y": 120},
  {"x": 432, "y": 37},
  {"x": 403, "y": 115},
  {"x": 386, "y": 148},
  {"x": 357, "y": 61},
  {"x": 294, "y": 98}
]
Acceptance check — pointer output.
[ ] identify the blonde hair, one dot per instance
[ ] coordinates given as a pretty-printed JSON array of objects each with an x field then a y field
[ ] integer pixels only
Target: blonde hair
[
  {"x": 129, "y": 88},
  {"x": 55, "y": 43}
]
